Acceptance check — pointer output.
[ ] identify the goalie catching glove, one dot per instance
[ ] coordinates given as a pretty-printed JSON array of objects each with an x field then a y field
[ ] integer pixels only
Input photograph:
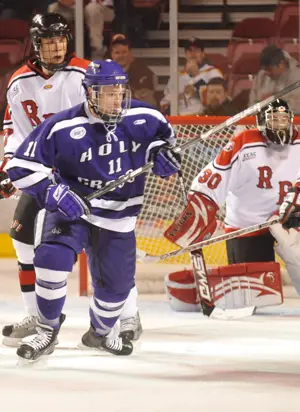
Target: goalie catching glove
[
  {"x": 70, "y": 204},
  {"x": 197, "y": 222},
  {"x": 289, "y": 211},
  {"x": 166, "y": 161}
]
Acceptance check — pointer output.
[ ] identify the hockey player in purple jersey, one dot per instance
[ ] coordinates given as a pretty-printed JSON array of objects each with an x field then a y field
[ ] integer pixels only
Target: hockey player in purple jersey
[{"x": 89, "y": 145}]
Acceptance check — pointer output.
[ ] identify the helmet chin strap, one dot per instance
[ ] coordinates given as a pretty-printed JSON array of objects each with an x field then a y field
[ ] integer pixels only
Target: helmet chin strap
[
  {"x": 94, "y": 107},
  {"x": 281, "y": 136},
  {"x": 51, "y": 67}
]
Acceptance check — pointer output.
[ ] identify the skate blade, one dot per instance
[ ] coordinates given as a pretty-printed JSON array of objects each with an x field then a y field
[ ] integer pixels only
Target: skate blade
[
  {"x": 232, "y": 314},
  {"x": 87, "y": 348},
  {"x": 137, "y": 344},
  {"x": 11, "y": 342},
  {"x": 39, "y": 363}
]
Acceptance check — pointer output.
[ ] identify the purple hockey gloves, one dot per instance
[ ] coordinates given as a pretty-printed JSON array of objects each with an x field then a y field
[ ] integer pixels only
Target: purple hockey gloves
[
  {"x": 166, "y": 161},
  {"x": 70, "y": 204}
]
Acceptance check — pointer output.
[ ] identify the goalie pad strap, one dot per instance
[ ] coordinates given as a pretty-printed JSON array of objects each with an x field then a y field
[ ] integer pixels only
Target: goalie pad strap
[{"x": 197, "y": 221}]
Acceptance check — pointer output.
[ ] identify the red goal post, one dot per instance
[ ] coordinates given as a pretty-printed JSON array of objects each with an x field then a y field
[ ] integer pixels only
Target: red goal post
[{"x": 163, "y": 199}]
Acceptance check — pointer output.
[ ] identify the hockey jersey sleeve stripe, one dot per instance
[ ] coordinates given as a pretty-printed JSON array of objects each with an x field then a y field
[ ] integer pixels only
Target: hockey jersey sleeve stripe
[
  {"x": 117, "y": 205},
  {"x": 18, "y": 176},
  {"x": 74, "y": 69},
  {"x": 29, "y": 180},
  {"x": 29, "y": 165},
  {"x": 67, "y": 123},
  {"x": 146, "y": 110},
  {"x": 79, "y": 63},
  {"x": 222, "y": 168},
  {"x": 231, "y": 152},
  {"x": 22, "y": 71},
  {"x": 8, "y": 154},
  {"x": 22, "y": 76}
]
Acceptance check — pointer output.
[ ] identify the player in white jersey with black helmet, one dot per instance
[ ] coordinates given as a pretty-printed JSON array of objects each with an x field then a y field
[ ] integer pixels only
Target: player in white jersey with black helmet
[
  {"x": 45, "y": 85},
  {"x": 251, "y": 175}
]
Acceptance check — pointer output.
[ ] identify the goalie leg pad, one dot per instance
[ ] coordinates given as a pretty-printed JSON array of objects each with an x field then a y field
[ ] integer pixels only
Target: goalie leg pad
[
  {"x": 182, "y": 292},
  {"x": 246, "y": 284},
  {"x": 288, "y": 249},
  {"x": 197, "y": 221},
  {"x": 232, "y": 287}
]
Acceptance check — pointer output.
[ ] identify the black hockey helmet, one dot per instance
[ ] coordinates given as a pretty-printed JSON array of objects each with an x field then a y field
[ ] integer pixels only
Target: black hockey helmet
[
  {"x": 275, "y": 122},
  {"x": 46, "y": 26}
]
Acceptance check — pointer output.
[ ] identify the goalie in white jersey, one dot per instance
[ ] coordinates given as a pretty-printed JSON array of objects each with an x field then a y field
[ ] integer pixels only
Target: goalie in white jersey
[
  {"x": 251, "y": 175},
  {"x": 45, "y": 85}
]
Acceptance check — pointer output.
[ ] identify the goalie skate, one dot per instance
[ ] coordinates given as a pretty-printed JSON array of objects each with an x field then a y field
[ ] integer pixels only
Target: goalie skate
[
  {"x": 131, "y": 328},
  {"x": 15, "y": 333},
  {"x": 112, "y": 344},
  {"x": 42, "y": 344}
]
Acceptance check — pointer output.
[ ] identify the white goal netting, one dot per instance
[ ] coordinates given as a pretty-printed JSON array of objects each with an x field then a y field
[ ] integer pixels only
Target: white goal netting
[{"x": 163, "y": 198}]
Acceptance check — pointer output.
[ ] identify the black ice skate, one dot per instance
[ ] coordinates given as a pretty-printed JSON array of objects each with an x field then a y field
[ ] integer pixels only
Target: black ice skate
[
  {"x": 112, "y": 344},
  {"x": 42, "y": 344},
  {"x": 131, "y": 328},
  {"x": 13, "y": 334}
]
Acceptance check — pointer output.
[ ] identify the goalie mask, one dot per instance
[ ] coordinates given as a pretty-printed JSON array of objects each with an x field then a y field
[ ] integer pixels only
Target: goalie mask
[
  {"x": 107, "y": 91},
  {"x": 275, "y": 122},
  {"x": 52, "y": 41}
]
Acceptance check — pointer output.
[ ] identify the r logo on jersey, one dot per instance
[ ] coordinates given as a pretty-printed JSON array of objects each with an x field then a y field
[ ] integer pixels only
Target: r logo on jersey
[
  {"x": 264, "y": 178},
  {"x": 78, "y": 133}
]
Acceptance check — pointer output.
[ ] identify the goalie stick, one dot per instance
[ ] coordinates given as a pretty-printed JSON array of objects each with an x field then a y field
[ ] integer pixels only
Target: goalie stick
[
  {"x": 201, "y": 281},
  {"x": 146, "y": 258},
  {"x": 217, "y": 128},
  {"x": 199, "y": 267}
]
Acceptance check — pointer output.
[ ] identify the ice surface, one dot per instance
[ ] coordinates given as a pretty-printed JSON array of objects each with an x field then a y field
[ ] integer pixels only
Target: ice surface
[{"x": 183, "y": 362}]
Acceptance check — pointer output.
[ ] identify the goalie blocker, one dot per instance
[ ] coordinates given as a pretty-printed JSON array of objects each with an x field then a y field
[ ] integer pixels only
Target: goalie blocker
[{"x": 232, "y": 287}]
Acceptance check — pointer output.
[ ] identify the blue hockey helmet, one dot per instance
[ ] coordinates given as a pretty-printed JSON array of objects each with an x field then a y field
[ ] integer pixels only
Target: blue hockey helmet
[{"x": 107, "y": 90}]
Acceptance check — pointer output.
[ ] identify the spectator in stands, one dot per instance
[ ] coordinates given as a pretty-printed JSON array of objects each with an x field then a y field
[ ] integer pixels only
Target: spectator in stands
[
  {"x": 218, "y": 102},
  {"x": 21, "y": 9},
  {"x": 192, "y": 81},
  {"x": 96, "y": 12},
  {"x": 278, "y": 70},
  {"x": 142, "y": 80}
]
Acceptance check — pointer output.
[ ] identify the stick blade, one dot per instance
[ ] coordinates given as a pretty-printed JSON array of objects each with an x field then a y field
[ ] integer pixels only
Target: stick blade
[
  {"x": 232, "y": 314},
  {"x": 147, "y": 258}
]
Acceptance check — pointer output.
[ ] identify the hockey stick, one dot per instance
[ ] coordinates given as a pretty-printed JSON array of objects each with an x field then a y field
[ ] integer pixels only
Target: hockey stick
[
  {"x": 227, "y": 236},
  {"x": 199, "y": 267},
  {"x": 202, "y": 284},
  {"x": 217, "y": 128}
]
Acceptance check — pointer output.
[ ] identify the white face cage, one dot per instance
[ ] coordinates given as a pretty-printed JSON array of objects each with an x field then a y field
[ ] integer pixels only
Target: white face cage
[
  {"x": 280, "y": 124},
  {"x": 52, "y": 52},
  {"x": 110, "y": 102}
]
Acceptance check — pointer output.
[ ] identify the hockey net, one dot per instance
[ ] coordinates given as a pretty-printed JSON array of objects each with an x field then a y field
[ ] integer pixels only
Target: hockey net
[{"x": 163, "y": 197}]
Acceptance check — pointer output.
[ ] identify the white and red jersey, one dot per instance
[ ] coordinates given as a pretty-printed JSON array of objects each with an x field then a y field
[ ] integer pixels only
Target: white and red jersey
[
  {"x": 33, "y": 96},
  {"x": 251, "y": 176}
]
